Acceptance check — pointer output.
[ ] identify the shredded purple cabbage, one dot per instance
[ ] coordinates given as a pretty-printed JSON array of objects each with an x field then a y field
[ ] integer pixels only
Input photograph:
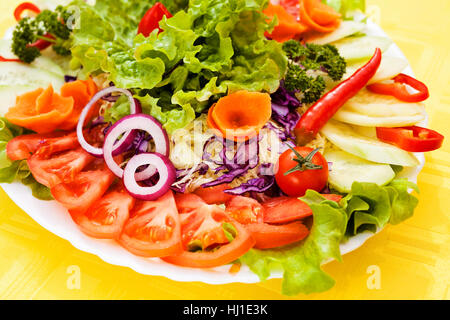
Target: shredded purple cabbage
[
  {"x": 68, "y": 78},
  {"x": 284, "y": 105},
  {"x": 259, "y": 185}
]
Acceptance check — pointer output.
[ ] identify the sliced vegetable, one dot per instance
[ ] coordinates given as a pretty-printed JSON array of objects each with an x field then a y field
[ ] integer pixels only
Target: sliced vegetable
[
  {"x": 318, "y": 115},
  {"x": 42, "y": 111},
  {"x": 214, "y": 195},
  {"x": 154, "y": 228},
  {"x": 347, "y": 139},
  {"x": 81, "y": 92},
  {"x": 105, "y": 218},
  {"x": 389, "y": 68},
  {"x": 151, "y": 19},
  {"x": 285, "y": 209},
  {"x": 346, "y": 28},
  {"x": 25, "y": 6},
  {"x": 23, "y": 146},
  {"x": 240, "y": 115},
  {"x": 158, "y": 162},
  {"x": 348, "y": 168},
  {"x": 84, "y": 189},
  {"x": 300, "y": 169},
  {"x": 399, "y": 89},
  {"x": 125, "y": 141},
  {"x": 210, "y": 237},
  {"x": 269, "y": 236},
  {"x": 318, "y": 16},
  {"x": 245, "y": 210},
  {"x": 412, "y": 139},
  {"x": 287, "y": 28},
  {"x": 135, "y": 122},
  {"x": 359, "y": 48}
]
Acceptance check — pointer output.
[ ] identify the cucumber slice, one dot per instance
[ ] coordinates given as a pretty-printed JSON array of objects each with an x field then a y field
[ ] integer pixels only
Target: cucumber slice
[
  {"x": 347, "y": 28},
  {"x": 343, "y": 136},
  {"x": 389, "y": 68},
  {"x": 8, "y": 96},
  {"x": 347, "y": 168},
  {"x": 14, "y": 73},
  {"x": 359, "y": 48},
  {"x": 42, "y": 62}
]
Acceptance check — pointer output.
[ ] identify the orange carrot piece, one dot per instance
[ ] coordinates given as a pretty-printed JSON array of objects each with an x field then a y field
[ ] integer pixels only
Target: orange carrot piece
[
  {"x": 82, "y": 92},
  {"x": 42, "y": 111},
  {"x": 288, "y": 28},
  {"x": 318, "y": 16},
  {"x": 241, "y": 115}
]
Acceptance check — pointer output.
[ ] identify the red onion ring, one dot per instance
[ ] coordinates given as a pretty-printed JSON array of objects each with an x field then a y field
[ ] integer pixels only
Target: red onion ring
[
  {"x": 165, "y": 168},
  {"x": 126, "y": 139},
  {"x": 135, "y": 122}
]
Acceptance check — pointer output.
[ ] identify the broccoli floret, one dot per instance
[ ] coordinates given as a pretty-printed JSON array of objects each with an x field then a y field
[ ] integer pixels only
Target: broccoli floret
[
  {"x": 294, "y": 50},
  {"x": 29, "y": 30},
  {"x": 327, "y": 56},
  {"x": 297, "y": 80}
]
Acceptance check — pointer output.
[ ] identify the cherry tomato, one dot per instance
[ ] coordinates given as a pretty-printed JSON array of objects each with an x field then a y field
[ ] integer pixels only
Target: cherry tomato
[
  {"x": 153, "y": 229},
  {"x": 105, "y": 218},
  {"x": 214, "y": 195},
  {"x": 298, "y": 171},
  {"x": 204, "y": 240},
  {"x": 85, "y": 188}
]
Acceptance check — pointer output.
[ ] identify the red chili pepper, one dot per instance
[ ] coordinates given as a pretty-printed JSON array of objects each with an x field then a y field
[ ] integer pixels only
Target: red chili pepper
[
  {"x": 323, "y": 110},
  {"x": 2, "y": 59},
  {"x": 23, "y": 7},
  {"x": 398, "y": 89},
  {"x": 412, "y": 139},
  {"x": 151, "y": 19},
  {"x": 42, "y": 44}
]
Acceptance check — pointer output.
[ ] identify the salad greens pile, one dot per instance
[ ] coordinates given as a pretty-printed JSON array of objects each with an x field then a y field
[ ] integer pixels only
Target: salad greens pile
[{"x": 213, "y": 48}]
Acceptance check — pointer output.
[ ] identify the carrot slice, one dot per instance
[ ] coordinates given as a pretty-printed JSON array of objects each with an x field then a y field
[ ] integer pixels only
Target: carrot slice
[
  {"x": 240, "y": 115},
  {"x": 42, "y": 111},
  {"x": 319, "y": 16},
  {"x": 288, "y": 28},
  {"x": 82, "y": 92}
]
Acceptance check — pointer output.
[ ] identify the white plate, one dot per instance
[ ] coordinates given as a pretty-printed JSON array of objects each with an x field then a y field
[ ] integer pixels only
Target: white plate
[{"x": 53, "y": 217}]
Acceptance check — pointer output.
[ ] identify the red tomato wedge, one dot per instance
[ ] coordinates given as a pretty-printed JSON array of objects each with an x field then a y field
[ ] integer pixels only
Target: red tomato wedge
[
  {"x": 151, "y": 19},
  {"x": 245, "y": 210},
  {"x": 105, "y": 218},
  {"x": 153, "y": 229},
  {"x": 269, "y": 236},
  {"x": 214, "y": 195},
  {"x": 202, "y": 228},
  {"x": 85, "y": 189},
  {"x": 22, "y": 147},
  {"x": 58, "y": 167},
  {"x": 287, "y": 209}
]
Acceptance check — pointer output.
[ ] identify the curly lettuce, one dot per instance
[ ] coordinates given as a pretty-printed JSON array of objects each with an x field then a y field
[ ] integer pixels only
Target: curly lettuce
[
  {"x": 367, "y": 208},
  {"x": 347, "y": 7},
  {"x": 207, "y": 49}
]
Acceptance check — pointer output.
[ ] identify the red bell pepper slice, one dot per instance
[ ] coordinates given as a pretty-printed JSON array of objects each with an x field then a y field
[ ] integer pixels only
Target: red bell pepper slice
[
  {"x": 151, "y": 19},
  {"x": 23, "y": 7},
  {"x": 412, "y": 139},
  {"x": 2, "y": 59},
  {"x": 398, "y": 89}
]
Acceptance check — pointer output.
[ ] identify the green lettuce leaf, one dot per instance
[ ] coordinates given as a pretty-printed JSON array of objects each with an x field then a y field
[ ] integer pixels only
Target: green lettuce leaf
[
  {"x": 347, "y": 7},
  {"x": 301, "y": 263},
  {"x": 11, "y": 171}
]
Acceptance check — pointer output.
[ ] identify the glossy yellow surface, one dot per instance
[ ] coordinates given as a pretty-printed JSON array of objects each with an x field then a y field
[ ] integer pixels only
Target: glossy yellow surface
[{"x": 408, "y": 261}]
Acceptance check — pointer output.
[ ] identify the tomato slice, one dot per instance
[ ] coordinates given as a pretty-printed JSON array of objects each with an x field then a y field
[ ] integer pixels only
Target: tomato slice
[
  {"x": 245, "y": 210},
  {"x": 269, "y": 236},
  {"x": 151, "y": 19},
  {"x": 204, "y": 240},
  {"x": 106, "y": 218},
  {"x": 214, "y": 195},
  {"x": 412, "y": 139},
  {"x": 59, "y": 167},
  {"x": 85, "y": 188},
  {"x": 153, "y": 229},
  {"x": 332, "y": 197},
  {"x": 285, "y": 209},
  {"x": 22, "y": 147}
]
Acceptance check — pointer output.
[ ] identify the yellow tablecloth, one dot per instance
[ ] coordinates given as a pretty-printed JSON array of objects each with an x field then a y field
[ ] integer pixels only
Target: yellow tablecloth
[{"x": 411, "y": 259}]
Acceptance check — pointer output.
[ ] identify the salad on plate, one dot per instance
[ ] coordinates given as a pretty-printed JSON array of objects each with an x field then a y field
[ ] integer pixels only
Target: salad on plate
[{"x": 207, "y": 133}]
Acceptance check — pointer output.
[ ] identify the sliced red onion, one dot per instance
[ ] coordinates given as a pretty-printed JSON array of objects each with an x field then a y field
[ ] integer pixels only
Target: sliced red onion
[
  {"x": 135, "y": 122},
  {"x": 126, "y": 139},
  {"x": 166, "y": 171}
]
